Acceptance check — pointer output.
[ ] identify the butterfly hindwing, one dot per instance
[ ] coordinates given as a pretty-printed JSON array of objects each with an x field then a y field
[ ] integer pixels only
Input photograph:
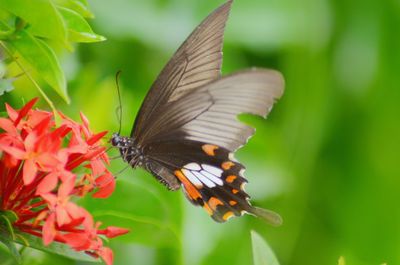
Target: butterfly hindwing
[{"x": 208, "y": 175}]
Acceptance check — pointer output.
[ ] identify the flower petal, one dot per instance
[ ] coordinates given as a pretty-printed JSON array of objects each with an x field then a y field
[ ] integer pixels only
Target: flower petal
[
  {"x": 47, "y": 184},
  {"x": 78, "y": 241},
  {"x": 29, "y": 171},
  {"x": 113, "y": 231},
  {"x": 37, "y": 116},
  {"x": 76, "y": 212},
  {"x": 8, "y": 126},
  {"x": 107, "y": 255},
  {"x": 66, "y": 186},
  {"x": 84, "y": 120},
  {"x": 48, "y": 161},
  {"x": 106, "y": 184},
  {"x": 42, "y": 124},
  {"x": 12, "y": 113},
  {"x": 62, "y": 216},
  {"x": 13, "y": 151},
  {"x": 25, "y": 109},
  {"x": 49, "y": 231},
  {"x": 30, "y": 141},
  {"x": 97, "y": 167},
  {"x": 95, "y": 138},
  {"x": 10, "y": 161},
  {"x": 50, "y": 198}
]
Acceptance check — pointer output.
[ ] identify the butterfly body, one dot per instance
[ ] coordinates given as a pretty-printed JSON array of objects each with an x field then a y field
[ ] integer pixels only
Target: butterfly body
[
  {"x": 130, "y": 153},
  {"x": 187, "y": 129}
]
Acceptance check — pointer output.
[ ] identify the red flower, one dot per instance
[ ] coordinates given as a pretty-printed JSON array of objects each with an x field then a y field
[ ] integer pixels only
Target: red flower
[{"x": 39, "y": 177}]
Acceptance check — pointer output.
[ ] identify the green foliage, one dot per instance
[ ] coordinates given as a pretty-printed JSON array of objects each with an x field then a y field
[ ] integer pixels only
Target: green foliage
[
  {"x": 78, "y": 29},
  {"x": 41, "y": 58},
  {"x": 32, "y": 13},
  {"x": 33, "y": 31},
  {"x": 7, "y": 233},
  {"x": 54, "y": 248},
  {"x": 262, "y": 252}
]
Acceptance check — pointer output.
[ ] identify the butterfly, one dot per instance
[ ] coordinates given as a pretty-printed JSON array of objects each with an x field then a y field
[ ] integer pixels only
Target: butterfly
[{"x": 186, "y": 131}]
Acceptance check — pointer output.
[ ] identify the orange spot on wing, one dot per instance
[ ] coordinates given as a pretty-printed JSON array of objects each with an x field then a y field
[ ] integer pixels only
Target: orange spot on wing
[
  {"x": 208, "y": 209},
  {"x": 232, "y": 203},
  {"x": 191, "y": 190},
  {"x": 227, "y": 165},
  {"x": 209, "y": 149},
  {"x": 234, "y": 191},
  {"x": 227, "y": 215},
  {"x": 214, "y": 202},
  {"x": 230, "y": 178}
]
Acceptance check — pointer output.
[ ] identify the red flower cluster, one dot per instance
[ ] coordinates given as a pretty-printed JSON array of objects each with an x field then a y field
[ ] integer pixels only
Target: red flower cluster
[{"x": 42, "y": 167}]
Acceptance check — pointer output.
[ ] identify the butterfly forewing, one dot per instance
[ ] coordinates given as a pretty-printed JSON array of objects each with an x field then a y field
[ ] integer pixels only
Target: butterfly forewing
[
  {"x": 210, "y": 113},
  {"x": 197, "y": 62}
]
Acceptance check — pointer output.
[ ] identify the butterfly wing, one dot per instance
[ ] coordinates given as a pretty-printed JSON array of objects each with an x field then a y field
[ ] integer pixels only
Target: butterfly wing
[
  {"x": 197, "y": 62},
  {"x": 209, "y": 114},
  {"x": 210, "y": 178},
  {"x": 194, "y": 140}
]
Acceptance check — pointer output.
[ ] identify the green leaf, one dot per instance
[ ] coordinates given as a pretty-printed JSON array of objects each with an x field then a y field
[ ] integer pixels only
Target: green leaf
[
  {"x": 39, "y": 55},
  {"x": 79, "y": 6},
  {"x": 10, "y": 215},
  {"x": 262, "y": 253},
  {"x": 42, "y": 15},
  {"x": 5, "y": 239},
  {"x": 341, "y": 261},
  {"x": 7, "y": 236},
  {"x": 150, "y": 223},
  {"x": 78, "y": 29},
  {"x": 55, "y": 248}
]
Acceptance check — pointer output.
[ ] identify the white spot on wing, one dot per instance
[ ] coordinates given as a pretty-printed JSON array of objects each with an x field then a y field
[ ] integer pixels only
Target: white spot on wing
[
  {"x": 213, "y": 170},
  {"x": 242, "y": 186},
  {"x": 192, "y": 178},
  {"x": 193, "y": 166},
  {"x": 203, "y": 179},
  {"x": 231, "y": 157},
  {"x": 212, "y": 177}
]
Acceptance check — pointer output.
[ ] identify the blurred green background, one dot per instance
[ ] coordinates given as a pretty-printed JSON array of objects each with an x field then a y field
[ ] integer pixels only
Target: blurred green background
[{"x": 327, "y": 158}]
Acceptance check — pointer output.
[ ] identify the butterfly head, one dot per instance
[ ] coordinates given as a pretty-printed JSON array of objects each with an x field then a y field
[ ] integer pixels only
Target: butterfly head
[
  {"x": 116, "y": 140},
  {"x": 129, "y": 152},
  {"x": 121, "y": 141}
]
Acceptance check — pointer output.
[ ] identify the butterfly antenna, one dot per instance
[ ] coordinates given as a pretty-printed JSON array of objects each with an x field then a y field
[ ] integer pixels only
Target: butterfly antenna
[{"x": 119, "y": 108}]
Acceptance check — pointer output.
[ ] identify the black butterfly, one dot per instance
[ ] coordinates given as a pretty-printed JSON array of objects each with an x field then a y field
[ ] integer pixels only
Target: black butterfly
[{"x": 187, "y": 129}]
